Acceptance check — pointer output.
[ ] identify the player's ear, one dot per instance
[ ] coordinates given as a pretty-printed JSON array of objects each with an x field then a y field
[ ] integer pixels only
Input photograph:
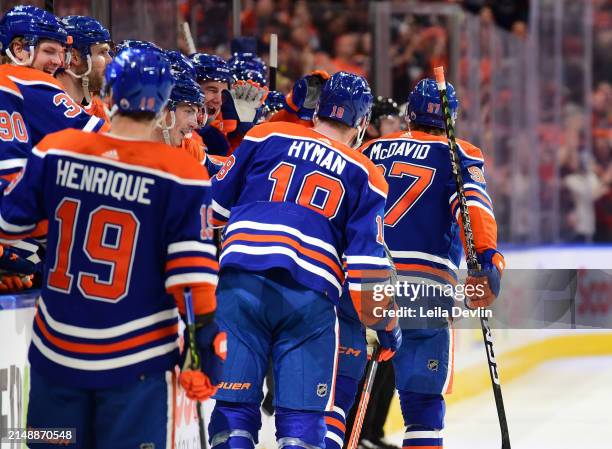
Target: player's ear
[
  {"x": 19, "y": 49},
  {"x": 75, "y": 57}
]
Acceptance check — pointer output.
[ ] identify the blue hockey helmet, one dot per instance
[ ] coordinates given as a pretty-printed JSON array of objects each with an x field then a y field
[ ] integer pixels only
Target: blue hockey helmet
[
  {"x": 251, "y": 68},
  {"x": 211, "y": 68},
  {"x": 32, "y": 24},
  {"x": 180, "y": 63},
  {"x": 139, "y": 80},
  {"x": 85, "y": 32},
  {"x": 133, "y": 43},
  {"x": 275, "y": 101},
  {"x": 185, "y": 90},
  {"x": 424, "y": 105},
  {"x": 345, "y": 98}
]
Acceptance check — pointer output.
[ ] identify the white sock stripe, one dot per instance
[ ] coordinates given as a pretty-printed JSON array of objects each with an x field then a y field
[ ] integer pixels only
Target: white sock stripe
[
  {"x": 339, "y": 411},
  {"x": 418, "y": 434},
  {"x": 335, "y": 438}
]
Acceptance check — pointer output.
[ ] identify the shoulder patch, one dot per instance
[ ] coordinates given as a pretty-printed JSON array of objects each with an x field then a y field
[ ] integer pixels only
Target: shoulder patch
[{"x": 476, "y": 174}]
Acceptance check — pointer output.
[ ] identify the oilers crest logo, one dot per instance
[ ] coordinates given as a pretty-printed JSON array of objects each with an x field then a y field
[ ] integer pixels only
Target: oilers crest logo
[{"x": 476, "y": 174}]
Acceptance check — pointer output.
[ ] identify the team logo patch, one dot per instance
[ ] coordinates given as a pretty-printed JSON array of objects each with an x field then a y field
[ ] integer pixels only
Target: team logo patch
[
  {"x": 147, "y": 446},
  {"x": 432, "y": 365},
  {"x": 322, "y": 390},
  {"x": 476, "y": 174}
]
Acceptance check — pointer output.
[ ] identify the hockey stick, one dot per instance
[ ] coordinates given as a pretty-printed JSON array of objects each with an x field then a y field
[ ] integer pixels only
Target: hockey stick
[
  {"x": 362, "y": 406},
  {"x": 191, "y": 48},
  {"x": 273, "y": 60},
  {"x": 195, "y": 357},
  {"x": 472, "y": 261}
]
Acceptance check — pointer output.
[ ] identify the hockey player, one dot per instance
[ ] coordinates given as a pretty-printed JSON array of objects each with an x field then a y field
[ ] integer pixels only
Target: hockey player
[
  {"x": 294, "y": 201},
  {"x": 90, "y": 54},
  {"x": 385, "y": 118},
  {"x": 34, "y": 41},
  {"x": 126, "y": 234},
  {"x": 423, "y": 233},
  {"x": 232, "y": 108},
  {"x": 185, "y": 114}
]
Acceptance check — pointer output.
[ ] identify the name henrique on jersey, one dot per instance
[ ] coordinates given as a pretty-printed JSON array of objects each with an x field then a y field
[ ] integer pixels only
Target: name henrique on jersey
[
  {"x": 291, "y": 198},
  {"x": 127, "y": 228},
  {"x": 422, "y": 218}
]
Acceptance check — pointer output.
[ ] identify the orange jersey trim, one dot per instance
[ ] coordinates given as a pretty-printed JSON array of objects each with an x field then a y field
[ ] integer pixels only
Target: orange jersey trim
[
  {"x": 189, "y": 262},
  {"x": 146, "y": 154},
  {"x": 29, "y": 74}
]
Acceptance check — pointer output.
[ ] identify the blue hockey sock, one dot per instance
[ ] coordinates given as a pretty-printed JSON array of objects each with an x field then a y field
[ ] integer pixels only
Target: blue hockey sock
[
  {"x": 346, "y": 388},
  {"x": 424, "y": 419},
  {"x": 299, "y": 429},
  {"x": 234, "y": 425}
]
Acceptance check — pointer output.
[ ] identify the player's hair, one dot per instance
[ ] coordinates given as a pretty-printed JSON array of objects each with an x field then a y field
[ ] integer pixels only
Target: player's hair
[
  {"x": 139, "y": 116},
  {"x": 334, "y": 123},
  {"x": 427, "y": 129}
]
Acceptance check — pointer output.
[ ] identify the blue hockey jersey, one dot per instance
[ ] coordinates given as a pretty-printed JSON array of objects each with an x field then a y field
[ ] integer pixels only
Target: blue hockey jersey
[
  {"x": 127, "y": 228},
  {"x": 292, "y": 198},
  {"x": 15, "y": 143},
  {"x": 46, "y": 108},
  {"x": 422, "y": 218}
]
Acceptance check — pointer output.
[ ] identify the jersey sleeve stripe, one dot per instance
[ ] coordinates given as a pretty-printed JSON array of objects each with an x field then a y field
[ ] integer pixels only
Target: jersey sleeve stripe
[
  {"x": 191, "y": 246},
  {"x": 478, "y": 205},
  {"x": 275, "y": 239},
  {"x": 92, "y": 123},
  {"x": 470, "y": 186},
  {"x": 10, "y": 89},
  {"x": 191, "y": 279},
  {"x": 13, "y": 163},
  {"x": 410, "y": 267},
  {"x": 369, "y": 274},
  {"x": 10, "y": 228},
  {"x": 220, "y": 209},
  {"x": 424, "y": 256},
  {"x": 192, "y": 262},
  {"x": 369, "y": 260}
]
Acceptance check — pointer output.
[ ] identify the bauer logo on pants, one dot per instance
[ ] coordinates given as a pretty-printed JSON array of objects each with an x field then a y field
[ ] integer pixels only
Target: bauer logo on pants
[
  {"x": 432, "y": 365},
  {"x": 321, "y": 390}
]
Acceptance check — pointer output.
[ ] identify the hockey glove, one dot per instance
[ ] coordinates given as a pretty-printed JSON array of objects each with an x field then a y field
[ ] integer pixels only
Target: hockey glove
[
  {"x": 389, "y": 341},
  {"x": 241, "y": 105},
  {"x": 305, "y": 94},
  {"x": 10, "y": 283},
  {"x": 21, "y": 257},
  {"x": 200, "y": 384},
  {"x": 482, "y": 287}
]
